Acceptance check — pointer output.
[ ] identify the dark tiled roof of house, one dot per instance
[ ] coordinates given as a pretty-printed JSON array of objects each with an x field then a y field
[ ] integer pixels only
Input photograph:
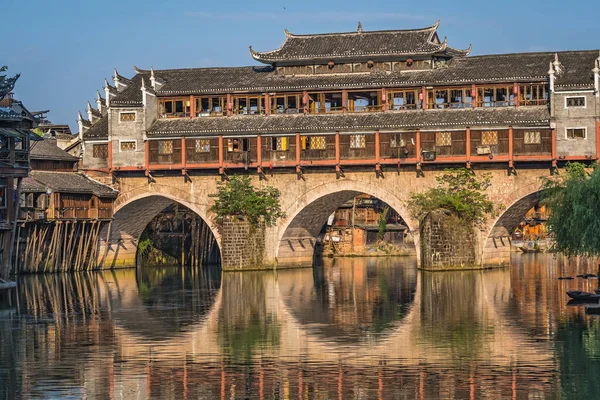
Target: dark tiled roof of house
[
  {"x": 48, "y": 150},
  {"x": 403, "y": 120},
  {"x": 98, "y": 131},
  {"x": 131, "y": 96},
  {"x": 66, "y": 182},
  {"x": 354, "y": 45},
  {"x": 518, "y": 67}
]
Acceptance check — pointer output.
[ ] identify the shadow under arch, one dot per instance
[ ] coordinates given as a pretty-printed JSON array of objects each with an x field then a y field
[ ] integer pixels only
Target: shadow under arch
[
  {"x": 133, "y": 212},
  {"x": 496, "y": 248},
  {"x": 299, "y": 232}
]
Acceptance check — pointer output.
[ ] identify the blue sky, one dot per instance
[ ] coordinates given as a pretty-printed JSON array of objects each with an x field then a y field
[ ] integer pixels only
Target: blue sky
[{"x": 64, "y": 49}]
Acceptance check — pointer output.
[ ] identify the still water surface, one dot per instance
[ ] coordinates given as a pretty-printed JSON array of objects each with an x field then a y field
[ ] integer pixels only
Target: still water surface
[{"x": 350, "y": 329}]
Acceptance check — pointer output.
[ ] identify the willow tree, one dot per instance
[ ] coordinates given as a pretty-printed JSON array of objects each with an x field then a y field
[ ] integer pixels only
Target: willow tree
[{"x": 573, "y": 200}]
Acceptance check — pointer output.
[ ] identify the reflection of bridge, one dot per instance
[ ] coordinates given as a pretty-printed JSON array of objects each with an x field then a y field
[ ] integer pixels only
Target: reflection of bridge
[
  {"x": 307, "y": 204},
  {"x": 423, "y": 336}
]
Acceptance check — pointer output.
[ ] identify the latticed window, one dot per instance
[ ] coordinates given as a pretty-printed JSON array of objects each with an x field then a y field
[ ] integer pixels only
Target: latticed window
[
  {"x": 279, "y": 144},
  {"x": 100, "y": 150},
  {"x": 165, "y": 147},
  {"x": 532, "y": 137},
  {"x": 127, "y": 116},
  {"x": 202, "y": 145},
  {"x": 397, "y": 140},
  {"x": 357, "y": 141},
  {"x": 443, "y": 139},
  {"x": 314, "y": 143},
  {"x": 489, "y": 137},
  {"x": 128, "y": 146},
  {"x": 576, "y": 101}
]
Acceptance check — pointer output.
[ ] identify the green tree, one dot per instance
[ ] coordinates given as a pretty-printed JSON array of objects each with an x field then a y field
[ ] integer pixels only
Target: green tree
[
  {"x": 573, "y": 200},
  {"x": 382, "y": 223},
  {"x": 458, "y": 191},
  {"x": 237, "y": 197}
]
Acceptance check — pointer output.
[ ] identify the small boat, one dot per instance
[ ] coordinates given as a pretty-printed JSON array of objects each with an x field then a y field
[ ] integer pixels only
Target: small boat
[
  {"x": 587, "y": 276},
  {"x": 579, "y": 295},
  {"x": 526, "y": 249},
  {"x": 565, "y": 278},
  {"x": 7, "y": 284}
]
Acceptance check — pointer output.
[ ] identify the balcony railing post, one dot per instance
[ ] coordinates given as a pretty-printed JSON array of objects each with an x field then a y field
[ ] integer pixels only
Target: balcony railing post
[
  {"x": 337, "y": 150},
  {"x": 221, "y": 166},
  {"x": 259, "y": 153},
  {"x": 183, "y": 156},
  {"x": 554, "y": 148},
  {"x": 468, "y": 146},
  {"x": 510, "y": 147}
]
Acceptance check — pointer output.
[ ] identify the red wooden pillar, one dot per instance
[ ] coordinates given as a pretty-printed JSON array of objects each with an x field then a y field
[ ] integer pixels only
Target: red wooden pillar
[
  {"x": 384, "y": 100},
  {"x": 377, "y": 148},
  {"x": 510, "y": 147},
  {"x": 298, "y": 150},
  {"x": 229, "y": 105},
  {"x": 424, "y": 98},
  {"x": 418, "y": 145},
  {"x": 221, "y": 169},
  {"x": 259, "y": 153},
  {"x": 337, "y": 150},
  {"x": 192, "y": 107},
  {"x": 554, "y": 147},
  {"x": 344, "y": 101},
  {"x": 474, "y": 95},
  {"x": 110, "y": 154},
  {"x": 305, "y": 101},
  {"x": 267, "y": 104},
  {"x": 183, "y": 156},
  {"x": 146, "y": 156},
  {"x": 516, "y": 93},
  {"x": 468, "y": 147},
  {"x": 597, "y": 140}
]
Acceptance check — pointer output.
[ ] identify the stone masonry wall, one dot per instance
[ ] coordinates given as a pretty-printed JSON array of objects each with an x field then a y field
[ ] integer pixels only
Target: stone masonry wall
[
  {"x": 447, "y": 243},
  {"x": 243, "y": 246}
]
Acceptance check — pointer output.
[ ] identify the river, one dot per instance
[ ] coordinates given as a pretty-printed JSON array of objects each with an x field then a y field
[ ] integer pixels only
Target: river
[{"x": 354, "y": 328}]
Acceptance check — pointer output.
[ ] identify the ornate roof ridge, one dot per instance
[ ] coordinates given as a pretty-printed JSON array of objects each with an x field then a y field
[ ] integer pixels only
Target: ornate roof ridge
[{"x": 431, "y": 28}]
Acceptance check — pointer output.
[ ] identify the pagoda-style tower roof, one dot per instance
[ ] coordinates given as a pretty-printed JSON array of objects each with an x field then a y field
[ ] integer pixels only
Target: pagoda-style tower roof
[{"x": 357, "y": 46}]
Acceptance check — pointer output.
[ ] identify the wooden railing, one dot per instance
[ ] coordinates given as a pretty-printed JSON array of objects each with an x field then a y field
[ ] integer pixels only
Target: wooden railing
[{"x": 344, "y": 149}]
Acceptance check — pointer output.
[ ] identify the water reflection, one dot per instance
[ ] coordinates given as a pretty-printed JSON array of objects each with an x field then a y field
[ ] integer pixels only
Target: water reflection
[
  {"x": 353, "y": 328},
  {"x": 345, "y": 300}
]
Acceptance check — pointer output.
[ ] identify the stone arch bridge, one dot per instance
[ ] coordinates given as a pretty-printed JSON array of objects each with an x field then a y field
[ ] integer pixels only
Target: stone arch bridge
[{"x": 307, "y": 203}]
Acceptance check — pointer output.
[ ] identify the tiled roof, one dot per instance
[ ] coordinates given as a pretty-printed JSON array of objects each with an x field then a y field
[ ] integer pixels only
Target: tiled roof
[
  {"x": 352, "y": 45},
  {"x": 48, "y": 150},
  {"x": 403, "y": 120},
  {"x": 98, "y": 131},
  {"x": 131, "y": 96},
  {"x": 518, "y": 67},
  {"x": 67, "y": 182}
]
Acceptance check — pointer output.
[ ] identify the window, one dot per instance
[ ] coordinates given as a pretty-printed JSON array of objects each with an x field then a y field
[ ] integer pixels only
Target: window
[
  {"x": 404, "y": 100},
  {"x": 289, "y": 104},
  {"x": 128, "y": 145},
  {"x": 314, "y": 143},
  {"x": 443, "y": 139},
  {"x": 357, "y": 141},
  {"x": 575, "y": 101},
  {"x": 165, "y": 147},
  {"x": 532, "y": 137},
  {"x": 489, "y": 138},
  {"x": 127, "y": 116},
  {"x": 238, "y": 145},
  {"x": 211, "y": 106},
  {"x": 576, "y": 133},
  {"x": 175, "y": 108},
  {"x": 248, "y": 105},
  {"x": 100, "y": 150},
  {"x": 279, "y": 144},
  {"x": 202, "y": 145},
  {"x": 397, "y": 140},
  {"x": 531, "y": 95}
]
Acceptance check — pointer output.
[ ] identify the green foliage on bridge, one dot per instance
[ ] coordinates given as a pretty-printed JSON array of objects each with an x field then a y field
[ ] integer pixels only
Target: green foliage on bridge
[
  {"x": 459, "y": 192},
  {"x": 238, "y": 197},
  {"x": 573, "y": 200}
]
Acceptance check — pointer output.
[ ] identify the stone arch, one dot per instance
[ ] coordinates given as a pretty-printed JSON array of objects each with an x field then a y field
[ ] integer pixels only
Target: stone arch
[
  {"x": 497, "y": 243},
  {"x": 297, "y": 234},
  {"x": 133, "y": 212}
]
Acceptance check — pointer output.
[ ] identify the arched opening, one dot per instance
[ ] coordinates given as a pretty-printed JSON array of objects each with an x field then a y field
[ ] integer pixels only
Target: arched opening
[
  {"x": 506, "y": 235},
  {"x": 345, "y": 223},
  {"x": 119, "y": 242}
]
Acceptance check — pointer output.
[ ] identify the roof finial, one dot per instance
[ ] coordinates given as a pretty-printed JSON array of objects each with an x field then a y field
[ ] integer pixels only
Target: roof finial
[
  {"x": 98, "y": 96},
  {"x": 287, "y": 33},
  {"x": 143, "y": 88},
  {"x": 360, "y": 29},
  {"x": 116, "y": 75},
  {"x": 79, "y": 116},
  {"x": 136, "y": 69},
  {"x": 106, "y": 85},
  {"x": 89, "y": 106},
  {"x": 557, "y": 64}
]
